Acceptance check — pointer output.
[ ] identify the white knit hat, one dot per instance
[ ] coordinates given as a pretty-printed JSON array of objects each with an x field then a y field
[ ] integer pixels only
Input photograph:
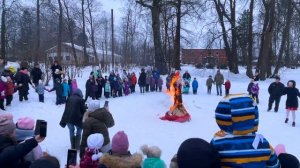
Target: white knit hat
[
  {"x": 93, "y": 105},
  {"x": 95, "y": 142},
  {"x": 3, "y": 79}
]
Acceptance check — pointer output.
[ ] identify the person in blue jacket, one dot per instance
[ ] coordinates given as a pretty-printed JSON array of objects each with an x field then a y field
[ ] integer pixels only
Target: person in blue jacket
[
  {"x": 195, "y": 86},
  {"x": 66, "y": 91}
]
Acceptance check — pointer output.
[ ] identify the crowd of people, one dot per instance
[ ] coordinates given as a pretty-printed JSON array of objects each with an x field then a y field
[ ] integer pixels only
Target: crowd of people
[{"x": 236, "y": 144}]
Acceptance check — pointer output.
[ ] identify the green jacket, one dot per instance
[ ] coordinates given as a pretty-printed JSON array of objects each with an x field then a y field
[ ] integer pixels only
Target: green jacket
[
  {"x": 154, "y": 163},
  {"x": 219, "y": 79},
  {"x": 209, "y": 82}
]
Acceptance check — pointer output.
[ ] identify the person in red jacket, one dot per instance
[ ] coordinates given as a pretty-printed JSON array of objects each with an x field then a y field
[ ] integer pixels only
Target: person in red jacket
[
  {"x": 133, "y": 82},
  {"x": 10, "y": 90},
  {"x": 227, "y": 86}
]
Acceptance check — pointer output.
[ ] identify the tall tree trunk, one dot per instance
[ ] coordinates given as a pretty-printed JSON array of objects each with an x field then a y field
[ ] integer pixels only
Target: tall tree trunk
[
  {"x": 224, "y": 34},
  {"x": 250, "y": 41},
  {"x": 60, "y": 27},
  {"x": 3, "y": 33},
  {"x": 112, "y": 40},
  {"x": 176, "y": 58},
  {"x": 285, "y": 36},
  {"x": 266, "y": 51},
  {"x": 71, "y": 34},
  {"x": 38, "y": 39},
  {"x": 85, "y": 55},
  {"x": 159, "y": 59},
  {"x": 93, "y": 33},
  {"x": 235, "y": 68}
]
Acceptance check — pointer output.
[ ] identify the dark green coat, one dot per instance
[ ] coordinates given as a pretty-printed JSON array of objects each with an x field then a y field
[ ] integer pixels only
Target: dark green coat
[
  {"x": 219, "y": 79},
  {"x": 96, "y": 122}
]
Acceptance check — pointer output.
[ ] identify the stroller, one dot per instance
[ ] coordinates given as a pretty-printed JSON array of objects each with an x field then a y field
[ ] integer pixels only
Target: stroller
[{"x": 186, "y": 86}]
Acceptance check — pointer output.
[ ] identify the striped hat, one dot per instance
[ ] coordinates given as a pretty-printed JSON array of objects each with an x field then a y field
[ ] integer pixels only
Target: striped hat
[{"x": 237, "y": 114}]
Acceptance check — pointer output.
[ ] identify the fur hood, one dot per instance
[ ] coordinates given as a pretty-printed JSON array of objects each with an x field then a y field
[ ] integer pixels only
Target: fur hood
[{"x": 125, "y": 161}]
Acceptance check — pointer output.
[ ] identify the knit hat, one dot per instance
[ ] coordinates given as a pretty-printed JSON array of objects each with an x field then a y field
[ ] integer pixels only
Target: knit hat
[
  {"x": 195, "y": 153},
  {"x": 280, "y": 148},
  {"x": 25, "y": 123},
  {"x": 93, "y": 105},
  {"x": 7, "y": 125},
  {"x": 277, "y": 77},
  {"x": 152, "y": 151},
  {"x": 46, "y": 162},
  {"x": 288, "y": 161},
  {"x": 120, "y": 143},
  {"x": 95, "y": 142},
  {"x": 3, "y": 79}
]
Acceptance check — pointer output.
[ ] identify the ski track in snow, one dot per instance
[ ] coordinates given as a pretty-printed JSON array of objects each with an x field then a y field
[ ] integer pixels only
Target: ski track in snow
[{"x": 138, "y": 115}]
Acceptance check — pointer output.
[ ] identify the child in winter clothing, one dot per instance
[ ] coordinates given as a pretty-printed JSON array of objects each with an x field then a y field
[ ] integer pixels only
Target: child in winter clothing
[
  {"x": 126, "y": 87},
  {"x": 195, "y": 86},
  {"x": 10, "y": 89},
  {"x": 40, "y": 90},
  {"x": 120, "y": 156},
  {"x": 59, "y": 91},
  {"x": 153, "y": 160},
  {"x": 255, "y": 91},
  {"x": 74, "y": 85},
  {"x": 152, "y": 84},
  {"x": 237, "y": 142},
  {"x": 249, "y": 89},
  {"x": 196, "y": 153},
  {"x": 168, "y": 81},
  {"x": 2, "y": 91},
  {"x": 107, "y": 89},
  {"x": 209, "y": 83},
  {"x": 25, "y": 130},
  {"x": 92, "y": 154},
  {"x": 292, "y": 100},
  {"x": 147, "y": 82},
  {"x": 66, "y": 91},
  {"x": 286, "y": 160},
  {"x": 160, "y": 82},
  {"x": 227, "y": 87}
]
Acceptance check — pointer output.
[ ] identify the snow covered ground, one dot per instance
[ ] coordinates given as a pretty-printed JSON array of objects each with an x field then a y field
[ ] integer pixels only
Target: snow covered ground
[{"x": 138, "y": 115}]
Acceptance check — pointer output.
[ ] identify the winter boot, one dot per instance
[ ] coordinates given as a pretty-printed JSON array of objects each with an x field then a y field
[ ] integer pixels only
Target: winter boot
[
  {"x": 72, "y": 140},
  {"x": 77, "y": 142},
  {"x": 293, "y": 124},
  {"x": 286, "y": 120}
]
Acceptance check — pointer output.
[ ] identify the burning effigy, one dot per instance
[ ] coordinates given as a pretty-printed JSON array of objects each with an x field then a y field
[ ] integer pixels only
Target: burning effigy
[{"x": 177, "y": 112}]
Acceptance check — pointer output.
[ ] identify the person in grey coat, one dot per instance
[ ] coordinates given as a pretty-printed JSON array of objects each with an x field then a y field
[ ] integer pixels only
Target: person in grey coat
[{"x": 219, "y": 80}]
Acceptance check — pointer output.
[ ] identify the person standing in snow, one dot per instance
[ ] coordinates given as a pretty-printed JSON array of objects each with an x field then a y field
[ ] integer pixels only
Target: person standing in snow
[
  {"x": 195, "y": 86},
  {"x": 107, "y": 89},
  {"x": 89, "y": 88},
  {"x": 40, "y": 89},
  {"x": 58, "y": 87},
  {"x": 142, "y": 81},
  {"x": 66, "y": 91},
  {"x": 36, "y": 74},
  {"x": 292, "y": 100},
  {"x": 23, "y": 84},
  {"x": 160, "y": 83},
  {"x": 209, "y": 83},
  {"x": 250, "y": 86},
  {"x": 10, "y": 90},
  {"x": 219, "y": 80},
  {"x": 227, "y": 87},
  {"x": 168, "y": 82},
  {"x": 255, "y": 91},
  {"x": 2, "y": 91},
  {"x": 56, "y": 71},
  {"x": 72, "y": 117},
  {"x": 133, "y": 82},
  {"x": 186, "y": 76},
  {"x": 156, "y": 76},
  {"x": 275, "y": 90}
]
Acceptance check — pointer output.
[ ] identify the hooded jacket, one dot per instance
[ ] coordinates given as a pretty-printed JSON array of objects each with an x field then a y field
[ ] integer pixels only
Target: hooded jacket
[
  {"x": 74, "y": 110},
  {"x": 237, "y": 117},
  {"x": 96, "y": 122},
  {"x": 110, "y": 160},
  {"x": 292, "y": 93}
]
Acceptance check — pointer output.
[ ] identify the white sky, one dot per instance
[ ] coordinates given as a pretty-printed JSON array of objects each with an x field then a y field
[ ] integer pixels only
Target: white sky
[{"x": 116, "y": 5}]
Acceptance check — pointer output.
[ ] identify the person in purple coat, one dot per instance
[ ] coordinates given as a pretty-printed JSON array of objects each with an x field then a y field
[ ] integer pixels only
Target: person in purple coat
[
  {"x": 2, "y": 91},
  {"x": 126, "y": 87},
  {"x": 152, "y": 83},
  {"x": 255, "y": 91}
]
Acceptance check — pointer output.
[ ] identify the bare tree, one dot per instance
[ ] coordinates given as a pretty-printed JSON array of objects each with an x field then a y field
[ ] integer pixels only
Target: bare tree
[
  {"x": 60, "y": 27},
  {"x": 3, "y": 40},
  {"x": 85, "y": 55},
  {"x": 89, "y": 4}
]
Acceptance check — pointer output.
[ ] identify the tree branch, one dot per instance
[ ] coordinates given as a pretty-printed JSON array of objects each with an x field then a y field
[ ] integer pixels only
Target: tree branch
[{"x": 141, "y": 2}]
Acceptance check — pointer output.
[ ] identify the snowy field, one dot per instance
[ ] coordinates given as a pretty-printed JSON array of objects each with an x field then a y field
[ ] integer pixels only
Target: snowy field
[{"x": 138, "y": 115}]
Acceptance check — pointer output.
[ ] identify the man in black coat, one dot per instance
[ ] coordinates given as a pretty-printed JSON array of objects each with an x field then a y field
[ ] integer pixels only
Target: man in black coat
[
  {"x": 275, "y": 90},
  {"x": 36, "y": 74},
  {"x": 142, "y": 81},
  {"x": 72, "y": 117},
  {"x": 56, "y": 69},
  {"x": 23, "y": 84}
]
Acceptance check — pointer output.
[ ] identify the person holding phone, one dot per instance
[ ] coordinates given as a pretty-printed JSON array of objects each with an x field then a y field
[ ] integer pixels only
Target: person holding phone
[
  {"x": 96, "y": 120},
  {"x": 11, "y": 153},
  {"x": 72, "y": 117}
]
